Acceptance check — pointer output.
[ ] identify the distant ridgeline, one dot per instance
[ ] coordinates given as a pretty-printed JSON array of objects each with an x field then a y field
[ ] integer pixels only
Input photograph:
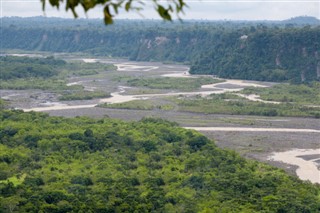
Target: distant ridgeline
[{"x": 269, "y": 51}]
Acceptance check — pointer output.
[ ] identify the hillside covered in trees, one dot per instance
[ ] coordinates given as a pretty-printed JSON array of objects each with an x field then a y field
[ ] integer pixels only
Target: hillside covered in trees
[
  {"x": 55, "y": 164},
  {"x": 268, "y": 51},
  {"x": 267, "y": 54}
]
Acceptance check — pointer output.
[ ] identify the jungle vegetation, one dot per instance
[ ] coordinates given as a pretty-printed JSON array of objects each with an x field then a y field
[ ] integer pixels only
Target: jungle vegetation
[
  {"x": 49, "y": 74},
  {"x": 56, "y": 164}
]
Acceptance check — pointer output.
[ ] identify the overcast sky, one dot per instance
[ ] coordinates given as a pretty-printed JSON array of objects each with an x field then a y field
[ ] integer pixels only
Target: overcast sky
[{"x": 198, "y": 9}]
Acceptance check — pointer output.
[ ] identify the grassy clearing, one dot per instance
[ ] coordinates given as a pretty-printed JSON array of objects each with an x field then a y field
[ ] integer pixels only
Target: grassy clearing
[
  {"x": 141, "y": 91},
  {"x": 140, "y": 104},
  {"x": 79, "y": 68},
  {"x": 299, "y": 94},
  {"x": 234, "y": 105},
  {"x": 183, "y": 84},
  {"x": 83, "y": 95},
  {"x": 54, "y": 84},
  {"x": 121, "y": 78}
]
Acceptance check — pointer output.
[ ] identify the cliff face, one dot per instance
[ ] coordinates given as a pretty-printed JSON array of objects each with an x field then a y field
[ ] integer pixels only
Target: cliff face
[
  {"x": 256, "y": 52},
  {"x": 270, "y": 55}
]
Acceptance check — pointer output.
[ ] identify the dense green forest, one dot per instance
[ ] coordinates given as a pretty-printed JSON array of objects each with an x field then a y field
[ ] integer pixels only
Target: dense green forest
[
  {"x": 50, "y": 74},
  {"x": 24, "y": 67},
  {"x": 269, "y": 51},
  {"x": 267, "y": 54},
  {"x": 55, "y": 164}
]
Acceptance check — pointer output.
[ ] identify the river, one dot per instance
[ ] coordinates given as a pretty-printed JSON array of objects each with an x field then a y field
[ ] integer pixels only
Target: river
[
  {"x": 307, "y": 170},
  {"x": 118, "y": 97}
]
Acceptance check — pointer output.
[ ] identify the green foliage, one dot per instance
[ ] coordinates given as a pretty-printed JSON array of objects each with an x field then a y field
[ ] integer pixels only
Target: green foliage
[
  {"x": 46, "y": 73},
  {"x": 3, "y": 104},
  {"x": 31, "y": 73},
  {"x": 105, "y": 165},
  {"x": 24, "y": 67},
  {"x": 49, "y": 74},
  {"x": 78, "y": 68},
  {"x": 187, "y": 84},
  {"x": 139, "y": 104},
  {"x": 165, "y": 11},
  {"x": 306, "y": 94},
  {"x": 295, "y": 100},
  {"x": 37, "y": 83},
  {"x": 235, "y": 105},
  {"x": 85, "y": 181},
  {"x": 266, "y": 54},
  {"x": 83, "y": 95},
  {"x": 15, "y": 180}
]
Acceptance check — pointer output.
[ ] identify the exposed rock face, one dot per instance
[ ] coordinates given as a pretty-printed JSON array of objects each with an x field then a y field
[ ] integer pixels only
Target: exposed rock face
[
  {"x": 149, "y": 44},
  {"x": 146, "y": 42},
  {"x": 157, "y": 41},
  {"x": 244, "y": 37},
  {"x": 160, "y": 40}
]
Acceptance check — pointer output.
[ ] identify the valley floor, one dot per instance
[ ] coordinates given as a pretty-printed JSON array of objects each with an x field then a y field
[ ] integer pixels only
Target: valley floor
[{"x": 257, "y": 137}]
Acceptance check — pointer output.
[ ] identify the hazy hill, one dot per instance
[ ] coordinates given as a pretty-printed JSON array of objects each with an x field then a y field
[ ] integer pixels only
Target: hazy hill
[{"x": 303, "y": 20}]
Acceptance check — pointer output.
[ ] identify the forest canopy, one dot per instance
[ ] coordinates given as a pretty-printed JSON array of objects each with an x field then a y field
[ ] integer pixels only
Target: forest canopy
[
  {"x": 55, "y": 164},
  {"x": 24, "y": 67}
]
